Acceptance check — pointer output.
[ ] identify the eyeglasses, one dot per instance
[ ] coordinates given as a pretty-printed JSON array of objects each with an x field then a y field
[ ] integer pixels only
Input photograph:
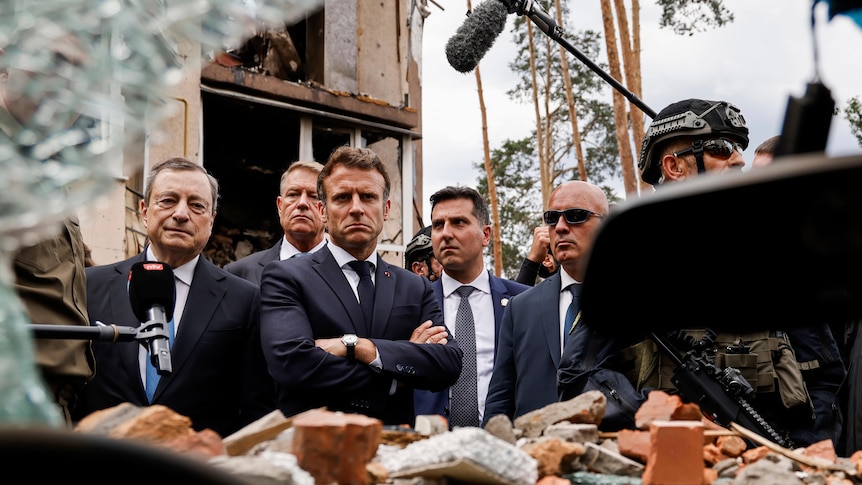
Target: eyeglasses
[
  {"x": 572, "y": 216},
  {"x": 717, "y": 147}
]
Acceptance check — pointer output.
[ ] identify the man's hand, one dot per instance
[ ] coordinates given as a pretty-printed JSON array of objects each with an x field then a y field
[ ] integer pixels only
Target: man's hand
[
  {"x": 364, "y": 352},
  {"x": 428, "y": 333},
  {"x": 332, "y": 346},
  {"x": 541, "y": 243}
]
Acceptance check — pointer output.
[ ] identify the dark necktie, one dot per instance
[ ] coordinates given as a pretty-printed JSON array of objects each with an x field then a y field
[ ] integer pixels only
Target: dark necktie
[
  {"x": 465, "y": 401},
  {"x": 366, "y": 289},
  {"x": 572, "y": 311}
]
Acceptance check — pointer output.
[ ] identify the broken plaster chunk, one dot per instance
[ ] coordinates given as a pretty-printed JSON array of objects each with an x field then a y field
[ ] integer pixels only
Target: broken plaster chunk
[{"x": 463, "y": 454}]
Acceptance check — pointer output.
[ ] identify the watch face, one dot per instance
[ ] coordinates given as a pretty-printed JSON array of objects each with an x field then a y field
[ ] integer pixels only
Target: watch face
[{"x": 350, "y": 339}]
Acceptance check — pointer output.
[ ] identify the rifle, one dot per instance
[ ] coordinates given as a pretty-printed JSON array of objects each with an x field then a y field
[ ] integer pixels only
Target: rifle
[{"x": 721, "y": 394}]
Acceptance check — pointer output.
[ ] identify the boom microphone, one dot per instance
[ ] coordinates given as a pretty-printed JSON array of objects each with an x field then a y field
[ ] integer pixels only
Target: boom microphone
[
  {"x": 476, "y": 35},
  {"x": 152, "y": 293}
]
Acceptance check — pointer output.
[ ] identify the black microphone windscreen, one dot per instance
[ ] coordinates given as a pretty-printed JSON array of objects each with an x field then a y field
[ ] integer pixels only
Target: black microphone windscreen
[
  {"x": 151, "y": 283},
  {"x": 476, "y": 35}
]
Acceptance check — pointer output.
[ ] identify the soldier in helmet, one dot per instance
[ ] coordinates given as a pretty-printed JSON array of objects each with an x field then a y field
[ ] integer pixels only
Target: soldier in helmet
[
  {"x": 419, "y": 257},
  {"x": 796, "y": 374},
  {"x": 691, "y": 137}
]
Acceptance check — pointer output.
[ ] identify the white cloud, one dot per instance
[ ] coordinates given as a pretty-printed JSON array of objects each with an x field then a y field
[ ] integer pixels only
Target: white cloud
[{"x": 757, "y": 62}]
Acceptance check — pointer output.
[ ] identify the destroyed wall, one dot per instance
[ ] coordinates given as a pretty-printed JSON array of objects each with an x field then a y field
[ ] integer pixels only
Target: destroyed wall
[{"x": 345, "y": 75}]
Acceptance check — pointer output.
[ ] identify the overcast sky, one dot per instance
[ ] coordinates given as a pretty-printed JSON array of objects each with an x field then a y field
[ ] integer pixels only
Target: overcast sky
[{"x": 757, "y": 62}]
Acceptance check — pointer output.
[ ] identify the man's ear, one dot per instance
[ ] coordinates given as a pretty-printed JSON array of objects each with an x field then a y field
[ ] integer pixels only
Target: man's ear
[{"x": 672, "y": 167}]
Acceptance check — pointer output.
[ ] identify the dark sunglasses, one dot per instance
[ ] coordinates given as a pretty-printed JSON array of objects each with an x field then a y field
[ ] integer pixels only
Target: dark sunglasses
[
  {"x": 573, "y": 216},
  {"x": 717, "y": 147}
]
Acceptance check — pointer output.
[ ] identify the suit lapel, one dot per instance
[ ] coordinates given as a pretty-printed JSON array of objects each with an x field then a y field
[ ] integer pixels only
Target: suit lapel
[
  {"x": 384, "y": 297},
  {"x": 269, "y": 256},
  {"x": 333, "y": 276},
  {"x": 498, "y": 293},
  {"x": 551, "y": 316},
  {"x": 205, "y": 295},
  {"x": 119, "y": 300}
]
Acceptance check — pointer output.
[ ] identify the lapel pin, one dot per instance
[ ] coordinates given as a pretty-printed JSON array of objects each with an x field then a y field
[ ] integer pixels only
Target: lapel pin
[
  {"x": 386, "y": 274},
  {"x": 504, "y": 301}
]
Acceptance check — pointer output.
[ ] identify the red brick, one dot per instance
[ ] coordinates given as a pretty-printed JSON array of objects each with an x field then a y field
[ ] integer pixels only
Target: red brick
[
  {"x": 676, "y": 453},
  {"x": 335, "y": 447},
  {"x": 712, "y": 454},
  {"x": 687, "y": 412},
  {"x": 732, "y": 446},
  {"x": 634, "y": 444},
  {"x": 204, "y": 444},
  {"x": 754, "y": 454},
  {"x": 554, "y": 457},
  {"x": 856, "y": 458},
  {"x": 659, "y": 406},
  {"x": 822, "y": 449}
]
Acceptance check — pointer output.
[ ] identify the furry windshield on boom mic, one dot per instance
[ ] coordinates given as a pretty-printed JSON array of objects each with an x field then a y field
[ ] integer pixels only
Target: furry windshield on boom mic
[{"x": 476, "y": 35}]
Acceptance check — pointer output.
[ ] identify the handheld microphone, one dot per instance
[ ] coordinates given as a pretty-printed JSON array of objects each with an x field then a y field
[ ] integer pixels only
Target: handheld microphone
[
  {"x": 476, "y": 35},
  {"x": 152, "y": 293}
]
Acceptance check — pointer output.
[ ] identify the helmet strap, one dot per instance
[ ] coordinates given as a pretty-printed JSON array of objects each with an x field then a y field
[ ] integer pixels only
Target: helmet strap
[{"x": 697, "y": 150}]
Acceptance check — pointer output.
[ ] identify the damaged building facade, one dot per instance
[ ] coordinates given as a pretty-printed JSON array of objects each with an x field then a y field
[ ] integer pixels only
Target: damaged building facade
[{"x": 348, "y": 74}]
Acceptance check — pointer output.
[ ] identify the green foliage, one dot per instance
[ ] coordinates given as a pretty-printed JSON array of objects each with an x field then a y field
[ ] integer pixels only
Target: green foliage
[
  {"x": 686, "y": 17},
  {"x": 519, "y": 199},
  {"x": 594, "y": 114},
  {"x": 853, "y": 114}
]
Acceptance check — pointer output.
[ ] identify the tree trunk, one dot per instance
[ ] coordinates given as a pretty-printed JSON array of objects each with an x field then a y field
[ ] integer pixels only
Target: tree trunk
[
  {"x": 570, "y": 101},
  {"x": 630, "y": 178},
  {"x": 489, "y": 173},
  {"x": 544, "y": 163},
  {"x": 631, "y": 50}
]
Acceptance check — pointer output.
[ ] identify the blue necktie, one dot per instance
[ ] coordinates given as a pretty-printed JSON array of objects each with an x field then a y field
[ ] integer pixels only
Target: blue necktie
[
  {"x": 152, "y": 375},
  {"x": 572, "y": 311},
  {"x": 365, "y": 289}
]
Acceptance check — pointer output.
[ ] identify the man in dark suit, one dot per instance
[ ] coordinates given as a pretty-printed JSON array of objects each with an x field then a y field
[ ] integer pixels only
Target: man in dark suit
[
  {"x": 535, "y": 324},
  {"x": 460, "y": 232},
  {"x": 320, "y": 346},
  {"x": 299, "y": 218},
  {"x": 219, "y": 378}
]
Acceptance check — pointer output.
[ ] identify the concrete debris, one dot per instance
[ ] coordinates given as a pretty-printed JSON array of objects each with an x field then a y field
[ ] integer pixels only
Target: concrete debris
[
  {"x": 268, "y": 468},
  {"x": 470, "y": 447},
  {"x": 588, "y": 408},
  {"x": 559, "y": 445}
]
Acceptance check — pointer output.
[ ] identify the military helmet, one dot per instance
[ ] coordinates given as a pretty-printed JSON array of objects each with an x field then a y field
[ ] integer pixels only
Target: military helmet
[
  {"x": 690, "y": 117},
  {"x": 419, "y": 247}
]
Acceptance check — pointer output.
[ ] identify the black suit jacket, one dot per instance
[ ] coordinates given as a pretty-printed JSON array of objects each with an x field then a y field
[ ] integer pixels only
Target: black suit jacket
[
  {"x": 219, "y": 378},
  {"x": 251, "y": 266},
  {"x": 528, "y": 353},
  {"x": 304, "y": 299},
  {"x": 501, "y": 291}
]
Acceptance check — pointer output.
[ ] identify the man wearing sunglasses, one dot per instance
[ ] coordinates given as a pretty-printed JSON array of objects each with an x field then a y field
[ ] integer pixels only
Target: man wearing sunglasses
[
  {"x": 691, "y": 137},
  {"x": 537, "y": 322},
  {"x": 797, "y": 392}
]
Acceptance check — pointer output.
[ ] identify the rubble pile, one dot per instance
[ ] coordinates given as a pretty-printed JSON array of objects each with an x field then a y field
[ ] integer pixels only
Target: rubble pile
[{"x": 558, "y": 444}]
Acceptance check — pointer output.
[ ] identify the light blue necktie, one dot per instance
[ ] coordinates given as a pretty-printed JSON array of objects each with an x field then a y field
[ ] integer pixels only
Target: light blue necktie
[{"x": 152, "y": 375}]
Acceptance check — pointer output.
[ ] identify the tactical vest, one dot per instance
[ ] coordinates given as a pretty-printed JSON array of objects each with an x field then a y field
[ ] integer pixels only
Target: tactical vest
[{"x": 766, "y": 360}]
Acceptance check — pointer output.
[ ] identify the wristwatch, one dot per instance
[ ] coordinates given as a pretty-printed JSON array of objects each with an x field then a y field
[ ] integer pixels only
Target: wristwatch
[{"x": 350, "y": 340}]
